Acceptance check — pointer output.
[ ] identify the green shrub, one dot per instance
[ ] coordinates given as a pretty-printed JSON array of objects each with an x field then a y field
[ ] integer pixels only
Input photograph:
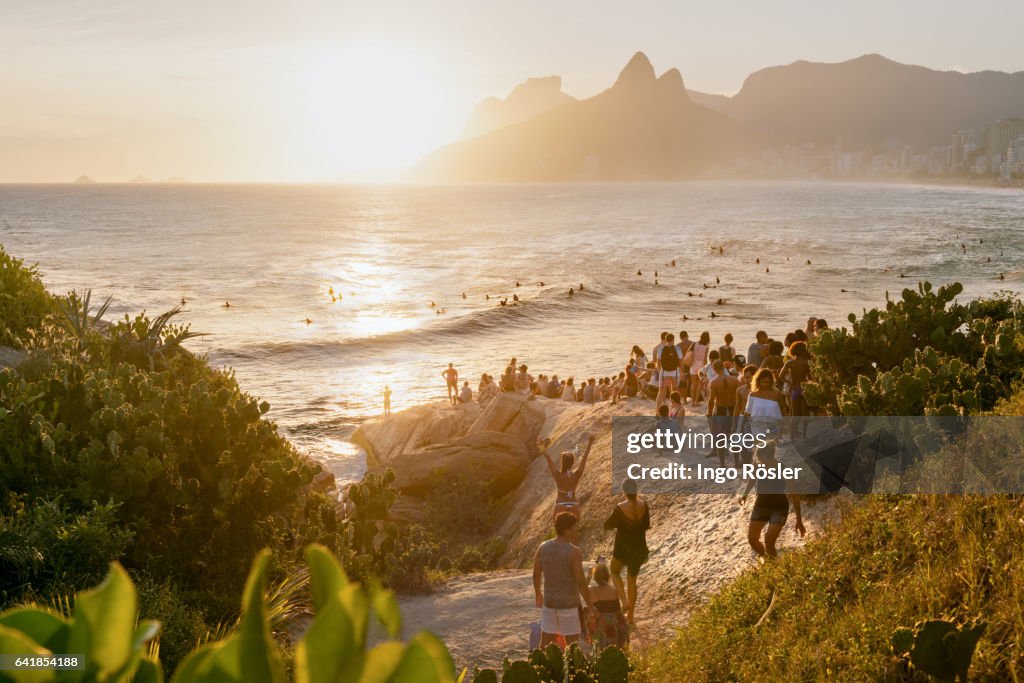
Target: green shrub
[
  {"x": 924, "y": 354},
  {"x": 24, "y": 301},
  {"x": 182, "y": 625},
  {"x": 183, "y": 452},
  {"x": 45, "y": 550}
]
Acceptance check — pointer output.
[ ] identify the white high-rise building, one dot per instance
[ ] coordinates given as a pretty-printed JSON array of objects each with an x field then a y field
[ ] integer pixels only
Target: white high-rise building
[{"x": 964, "y": 141}]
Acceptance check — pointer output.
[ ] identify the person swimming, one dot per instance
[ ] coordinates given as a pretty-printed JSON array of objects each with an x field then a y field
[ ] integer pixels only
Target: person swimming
[
  {"x": 572, "y": 292},
  {"x": 566, "y": 479}
]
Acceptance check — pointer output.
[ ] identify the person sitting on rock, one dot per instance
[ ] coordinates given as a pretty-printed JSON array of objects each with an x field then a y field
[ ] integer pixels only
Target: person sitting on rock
[{"x": 566, "y": 479}]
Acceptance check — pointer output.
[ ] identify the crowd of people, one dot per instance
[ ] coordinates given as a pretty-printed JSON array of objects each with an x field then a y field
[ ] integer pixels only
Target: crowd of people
[{"x": 735, "y": 391}]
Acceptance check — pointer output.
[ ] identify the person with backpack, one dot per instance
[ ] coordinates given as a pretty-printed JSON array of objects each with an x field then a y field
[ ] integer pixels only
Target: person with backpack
[{"x": 669, "y": 360}]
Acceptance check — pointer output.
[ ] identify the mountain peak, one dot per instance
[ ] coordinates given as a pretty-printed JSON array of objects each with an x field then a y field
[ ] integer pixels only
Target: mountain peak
[
  {"x": 638, "y": 70},
  {"x": 672, "y": 80}
]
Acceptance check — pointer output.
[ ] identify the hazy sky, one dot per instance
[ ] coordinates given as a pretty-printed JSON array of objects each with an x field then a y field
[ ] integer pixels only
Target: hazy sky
[{"x": 319, "y": 89}]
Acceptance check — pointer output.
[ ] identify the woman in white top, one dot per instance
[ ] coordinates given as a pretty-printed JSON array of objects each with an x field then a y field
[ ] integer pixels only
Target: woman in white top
[
  {"x": 569, "y": 393},
  {"x": 766, "y": 405},
  {"x": 699, "y": 360}
]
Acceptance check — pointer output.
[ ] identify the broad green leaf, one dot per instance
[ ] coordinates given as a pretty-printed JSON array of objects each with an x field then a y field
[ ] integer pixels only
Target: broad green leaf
[
  {"x": 381, "y": 664},
  {"x": 216, "y": 663},
  {"x": 102, "y": 626},
  {"x": 388, "y": 613},
  {"x": 149, "y": 672},
  {"x": 425, "y": 660},
  {"x": 328, "y": 647},
  {"x": 260, "y": 662},
  {"x": 354, "y": 599},
  {"x": 15, "y": 642},
  {"x": 326, "y": 577},
  {"x": 45, "y": 628}
]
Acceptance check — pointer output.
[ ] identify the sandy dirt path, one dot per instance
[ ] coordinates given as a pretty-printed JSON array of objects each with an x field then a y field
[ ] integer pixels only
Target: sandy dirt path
[{"x": 483, "y": 617}]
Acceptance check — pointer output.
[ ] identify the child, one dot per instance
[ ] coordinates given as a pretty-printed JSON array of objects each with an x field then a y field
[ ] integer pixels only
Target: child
[{"x": 607, "y": 622}]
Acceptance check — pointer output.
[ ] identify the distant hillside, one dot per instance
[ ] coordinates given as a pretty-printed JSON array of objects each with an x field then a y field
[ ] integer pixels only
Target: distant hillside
[
  {"x": 643, "y": 127},
  {"x": 528, "y": 99},
  {"x": 869, "y": 100}
]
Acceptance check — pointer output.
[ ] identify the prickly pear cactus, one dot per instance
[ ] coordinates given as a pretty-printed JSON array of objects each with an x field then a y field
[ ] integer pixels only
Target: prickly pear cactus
[{"x": 938, "y": 647}]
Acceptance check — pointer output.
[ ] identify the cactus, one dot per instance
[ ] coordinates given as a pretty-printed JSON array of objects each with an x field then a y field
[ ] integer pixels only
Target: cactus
[
  {"x": 520, "y": 672},
  {"x": 938, "y": 647},
  {"x": 485, "y": 676},
  {"x": 612, "y": 666}
]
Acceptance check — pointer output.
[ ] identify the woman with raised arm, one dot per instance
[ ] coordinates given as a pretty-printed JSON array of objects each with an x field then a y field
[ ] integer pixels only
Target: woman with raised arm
[{"x": 566, "y": 479}]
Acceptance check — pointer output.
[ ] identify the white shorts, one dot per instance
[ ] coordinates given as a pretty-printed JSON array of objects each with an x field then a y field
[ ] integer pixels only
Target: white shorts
[
  {"x": 672, "y": 375},
  {"x": 565, "y": 622}
]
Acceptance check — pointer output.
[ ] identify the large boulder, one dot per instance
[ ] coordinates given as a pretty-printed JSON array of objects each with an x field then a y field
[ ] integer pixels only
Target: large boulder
[
  {"x": 415, "y": 428},
  {"x": 497, "y": 461},
  {"x": 10, "y": 358},
  {"x": 515, "y": 414}
]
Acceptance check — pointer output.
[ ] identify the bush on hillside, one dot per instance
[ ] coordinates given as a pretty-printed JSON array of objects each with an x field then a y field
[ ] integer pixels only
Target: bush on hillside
[
  {"x": 924, "y": 354},
  {"x": 24, "y": 302}
]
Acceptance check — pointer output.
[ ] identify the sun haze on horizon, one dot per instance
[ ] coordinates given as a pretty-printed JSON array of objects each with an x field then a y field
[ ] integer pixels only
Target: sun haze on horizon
[{"x": 323, "y": 91}]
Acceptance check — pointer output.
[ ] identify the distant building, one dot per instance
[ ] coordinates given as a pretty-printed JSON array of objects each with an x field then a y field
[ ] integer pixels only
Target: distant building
[
  {"x": 997, "y": 139},
  {"x": 1014, "y": 164},
  {"x": 964, "y": 142},
  {"x": 938, "y": 160}
]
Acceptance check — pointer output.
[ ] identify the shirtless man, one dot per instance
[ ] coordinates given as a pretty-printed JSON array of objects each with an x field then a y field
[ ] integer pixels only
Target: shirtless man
[
  {"x": 795, "y": 372},
  {"x": 721, "y": 406},
  {"x": 387, "y": 400},
  {"x": 451, "y": 376}
]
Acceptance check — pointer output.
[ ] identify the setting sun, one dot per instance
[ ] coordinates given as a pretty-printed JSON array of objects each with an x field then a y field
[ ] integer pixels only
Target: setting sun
[{"x": 367, "y": 108}]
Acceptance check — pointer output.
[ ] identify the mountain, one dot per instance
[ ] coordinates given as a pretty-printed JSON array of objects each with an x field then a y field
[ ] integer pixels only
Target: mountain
[
  {"x": 643, "y": 127},
  {"x": 528, "y": 99},
  {"x": 869, "y": 100}
]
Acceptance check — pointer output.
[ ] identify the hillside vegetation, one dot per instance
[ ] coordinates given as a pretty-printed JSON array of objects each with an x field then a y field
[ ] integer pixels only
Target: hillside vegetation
[{"x": 890, "y": 562}]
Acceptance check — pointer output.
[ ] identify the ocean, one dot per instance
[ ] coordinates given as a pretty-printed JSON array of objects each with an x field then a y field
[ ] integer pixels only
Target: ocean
[{"x": 363, "y": 264}]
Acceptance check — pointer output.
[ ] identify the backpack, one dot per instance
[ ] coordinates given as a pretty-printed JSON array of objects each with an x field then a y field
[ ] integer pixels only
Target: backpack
[{"x": 669, "y": 358}]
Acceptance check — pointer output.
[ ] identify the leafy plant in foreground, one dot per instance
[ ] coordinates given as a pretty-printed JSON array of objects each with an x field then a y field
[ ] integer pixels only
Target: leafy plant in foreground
[{"x": 334, "y": 647}]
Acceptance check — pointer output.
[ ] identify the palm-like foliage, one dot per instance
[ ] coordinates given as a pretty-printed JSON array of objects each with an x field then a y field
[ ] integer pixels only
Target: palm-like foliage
[
  {"x": 144, "y": 341},
  {"x": 286, "y": 600},
  {"x": 78, "y": 319}
]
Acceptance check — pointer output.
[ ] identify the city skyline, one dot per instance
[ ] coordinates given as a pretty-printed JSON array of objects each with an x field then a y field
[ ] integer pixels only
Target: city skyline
[{"x": 325, "y": 92}]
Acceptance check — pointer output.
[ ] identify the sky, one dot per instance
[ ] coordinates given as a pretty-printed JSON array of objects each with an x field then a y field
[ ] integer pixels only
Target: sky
[{"x": 340, "y": 90}]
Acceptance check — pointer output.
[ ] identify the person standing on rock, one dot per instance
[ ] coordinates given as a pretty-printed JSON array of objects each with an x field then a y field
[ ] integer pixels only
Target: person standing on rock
[
  {"x": 451, "y": 376},
  {"x": 558, "y": 584},
  {"x": 630, "y": 520},
  {"x": 566, "y": 479},
  {"x": 387, "y": 400}
]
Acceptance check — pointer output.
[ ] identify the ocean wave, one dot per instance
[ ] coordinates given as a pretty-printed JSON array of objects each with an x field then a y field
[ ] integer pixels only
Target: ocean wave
[{"x": 547, "y": 307}]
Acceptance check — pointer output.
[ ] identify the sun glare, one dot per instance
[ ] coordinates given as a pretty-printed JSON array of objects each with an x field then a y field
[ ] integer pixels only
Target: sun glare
[{"x": 367, "y": 109}]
